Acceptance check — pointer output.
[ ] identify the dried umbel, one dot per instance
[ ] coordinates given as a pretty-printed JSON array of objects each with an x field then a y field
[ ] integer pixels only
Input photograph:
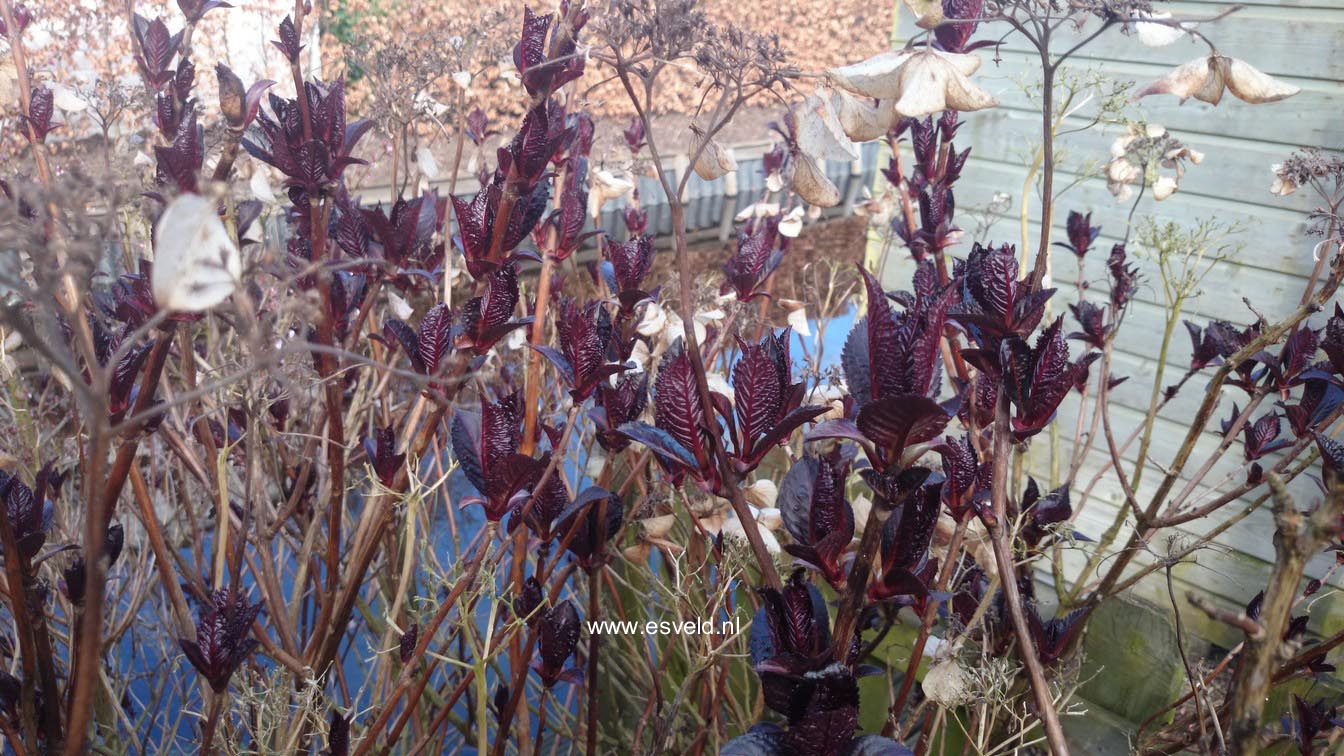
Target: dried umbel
[
  {"x": 920, "y": 82},
  {"x": 1206, "y": 79}
]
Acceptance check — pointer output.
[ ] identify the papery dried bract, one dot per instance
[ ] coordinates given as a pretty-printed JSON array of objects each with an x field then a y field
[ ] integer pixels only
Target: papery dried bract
[
  {"x": 1207, "y": 78},
  {"x": 197, "y": 265}
]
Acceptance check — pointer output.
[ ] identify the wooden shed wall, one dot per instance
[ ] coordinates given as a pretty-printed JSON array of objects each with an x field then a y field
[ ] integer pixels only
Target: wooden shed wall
[{"x": 1294, "y": 40}]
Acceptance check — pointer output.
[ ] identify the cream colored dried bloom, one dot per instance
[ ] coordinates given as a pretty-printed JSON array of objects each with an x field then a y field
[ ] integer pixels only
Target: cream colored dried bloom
[
  {"x": 1153, "y": 34},
  {"x": 919, "y": 82},
  {"x": 1164, "y": 187},
  {"x": 883, "y": 76},
  {"x": 603, "y": 185},
  {"x": 762, "y": 493},
  {"x": 653, "y": 534},
  {"x": 1206, "y": 78},
  {"x": 1284, "y": 183},
  {"x": 947, "y": 684}
]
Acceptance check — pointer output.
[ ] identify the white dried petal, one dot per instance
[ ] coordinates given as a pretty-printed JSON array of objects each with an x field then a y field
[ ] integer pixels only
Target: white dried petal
[
  {"x": 862, "y": 121},
  {"x": 947, "y": 684},
  {"x": 260, "y": 185},
  {"x": 762, "y": 493},
  {"x": 197, "y": 265},
  {"x": 603, "y": 185},
  {"x": 65, "y": 99},
  {"x": 1164, "y": 187},
  {"x": 653, "y": 321},
  {"x": 718, "y": 383},
  {"x": 933, "y": 81},
  {"x": 876, "y": 77},
  {"x": 733, "y": 529},
  {"x": 818, "y": 130},
  {"x": 757, "y": 210},
  {"x": 1184, "y": 81},
  {"x": 1157, "y": 35},
  {"x": 658, "y": 527},
  {"x": 1249, "y": 83},
  {"x": 714, "y": 161},
  {"x": 792, "y": 223},
  {"x": 812, "y": 184},
  {"x": 797, "y": 318},
  {"x": 424, "y": 160}
]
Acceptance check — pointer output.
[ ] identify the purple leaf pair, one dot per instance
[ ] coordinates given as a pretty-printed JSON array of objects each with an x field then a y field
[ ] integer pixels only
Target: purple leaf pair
[
  {"x": 617, "y": 405},
  {"x": 908, "y": 573},
  {"x": 121, "y": 388},
  {"x": 1037, "y": 379},
  {"x": 1043, "y": 512},
  {"x": 558, "y": 637},
  {"x": 428, "y": 346},
  {"x": 157, "y": 47},
  {"x": 892, "y": 354},
  {"x": 180, "y": 162},
  {"x": 38, "y": 117},
  {"x": 403, "y": 235},
  {"x": 1052, "y": 637},
  {"x": 1124, "y": 278},
  {"x": 816, "y": 514},
  {"x": 543, "y": 74},
  {"x": 679, "y": 437},
  {"x": 26, "y": 508},
  {"x": 589, "y": 523},
  {"x": 995, "y": 304},
  {"x": 766, "y": 401},
  {"x": 486, "y": 447},
  {"x": 965, "y": 490},
  {"x": 222, "y": 643},
  {"x": 476, "y": 224},
  {"x": 1092, "y": 319},
  {"x": 625, "y": 267},
  {"x": 760, "y": 248},
  {"x": 314, "y": 156},
  {"x": 489, "y": 317},
  {"x": 584, "y": 334},
  {"x": 1082, "y": 234},
  {"x": 1262, "y": 437}
]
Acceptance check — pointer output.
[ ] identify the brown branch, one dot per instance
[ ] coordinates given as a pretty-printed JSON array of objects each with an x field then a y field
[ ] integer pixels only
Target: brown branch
[
  {"x": 1026, "y": 647},
  {"x": 1298, "y": 535}
]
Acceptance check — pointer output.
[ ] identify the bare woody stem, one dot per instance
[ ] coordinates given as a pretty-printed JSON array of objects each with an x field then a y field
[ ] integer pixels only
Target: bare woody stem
[
  {"x": 1003, "y": 556},
  {"x": 1297, "y": 537}
]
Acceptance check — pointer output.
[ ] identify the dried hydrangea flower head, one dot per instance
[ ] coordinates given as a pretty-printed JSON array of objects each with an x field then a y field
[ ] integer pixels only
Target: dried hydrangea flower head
[{"x": 1141, "y": 153}]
